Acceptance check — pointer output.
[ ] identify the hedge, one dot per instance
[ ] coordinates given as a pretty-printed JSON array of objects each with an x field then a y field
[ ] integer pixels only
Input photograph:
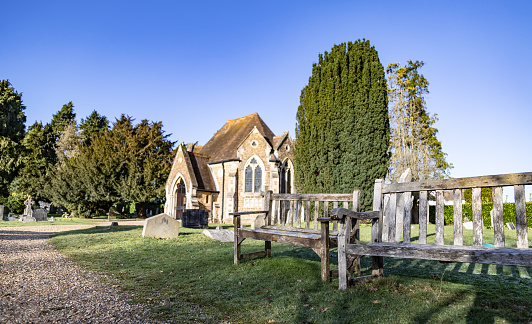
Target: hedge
[{"x": 467, "y": 211}]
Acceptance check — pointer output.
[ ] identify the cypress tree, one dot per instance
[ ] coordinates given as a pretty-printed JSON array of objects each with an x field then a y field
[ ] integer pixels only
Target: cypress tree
[{"x": 342, "y": 124}]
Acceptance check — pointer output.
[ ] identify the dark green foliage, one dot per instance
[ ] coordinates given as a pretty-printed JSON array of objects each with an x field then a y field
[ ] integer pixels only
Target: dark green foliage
[
  {"x": 342, "y": 125},
  {"x": 467, "y": 211},
  {"x": 38, "y": 159},
  {"x": 12, "y": 117},
  {"x": 125, "y": 163},
  {"x": 92, "y": 125},
  {"x": 485, "y": 195}
]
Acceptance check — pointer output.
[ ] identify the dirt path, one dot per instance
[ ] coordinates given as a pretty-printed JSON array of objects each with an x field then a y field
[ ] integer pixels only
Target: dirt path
[{"x": 40, "y": 285}]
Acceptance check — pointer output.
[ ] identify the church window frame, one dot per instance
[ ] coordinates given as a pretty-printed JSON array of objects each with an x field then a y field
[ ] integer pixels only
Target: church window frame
[{"x": 254, "y": 172}]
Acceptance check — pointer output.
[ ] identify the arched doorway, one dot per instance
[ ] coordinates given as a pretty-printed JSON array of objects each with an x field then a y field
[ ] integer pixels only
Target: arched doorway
[{"x": 181, "y": 199}]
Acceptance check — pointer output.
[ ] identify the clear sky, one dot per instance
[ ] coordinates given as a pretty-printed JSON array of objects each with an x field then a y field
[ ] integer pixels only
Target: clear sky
[{"x": 196, "y": 64}]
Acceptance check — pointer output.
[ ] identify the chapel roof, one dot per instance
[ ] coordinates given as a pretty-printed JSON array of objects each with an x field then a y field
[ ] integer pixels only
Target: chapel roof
[
  {"x": 202, "y": 171},
  {"x": 224, "y": 144}
]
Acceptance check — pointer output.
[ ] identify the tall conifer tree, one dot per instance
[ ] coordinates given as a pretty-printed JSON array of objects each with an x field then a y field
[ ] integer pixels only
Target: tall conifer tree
[{"x": 342, "y": 125}]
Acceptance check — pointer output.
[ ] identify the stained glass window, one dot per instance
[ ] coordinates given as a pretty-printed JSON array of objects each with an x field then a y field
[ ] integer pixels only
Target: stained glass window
[
  {"x": 249, "y": 179},
  {"x": 258, "y": 179}
]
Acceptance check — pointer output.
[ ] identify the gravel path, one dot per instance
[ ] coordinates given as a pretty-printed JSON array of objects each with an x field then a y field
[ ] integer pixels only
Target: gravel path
[{"x": 40, "y": 285}]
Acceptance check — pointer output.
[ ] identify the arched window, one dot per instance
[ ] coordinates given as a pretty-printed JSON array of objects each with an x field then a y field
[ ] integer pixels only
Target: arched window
[
  {"x": 253, "y": 177},
  {"x": 285, "y": 177}
]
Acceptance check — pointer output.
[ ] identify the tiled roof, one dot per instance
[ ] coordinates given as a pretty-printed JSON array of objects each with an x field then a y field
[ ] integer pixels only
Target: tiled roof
[
  {"x": 223, "y": 145},
  {"x": 202, "y": 171}
]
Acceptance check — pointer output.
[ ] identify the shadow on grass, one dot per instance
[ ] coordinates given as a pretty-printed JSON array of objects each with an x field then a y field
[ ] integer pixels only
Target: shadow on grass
[{"x": 99, "y": 230}]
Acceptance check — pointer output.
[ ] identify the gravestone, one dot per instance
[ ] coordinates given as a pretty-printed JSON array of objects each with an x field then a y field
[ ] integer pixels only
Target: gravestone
[
  {"x": 161, "y": 226},
  {"x": 28, "y": 211},
  {"x": 195, "y": 218},
  {"x": 27, "y": 219},
  {"x": 220, "y": 235},
  {"x": 40, "y": 215},
  {"x": 511, "y": 226},
  {"x": 468, "y": 225}
]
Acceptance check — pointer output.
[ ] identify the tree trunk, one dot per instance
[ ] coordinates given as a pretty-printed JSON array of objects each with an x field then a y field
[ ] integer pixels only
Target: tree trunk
[{"x": 141, "y": 212}]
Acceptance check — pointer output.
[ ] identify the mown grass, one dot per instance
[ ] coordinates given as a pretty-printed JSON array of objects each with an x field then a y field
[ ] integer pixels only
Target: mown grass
[{"x": 196, "y": 274}]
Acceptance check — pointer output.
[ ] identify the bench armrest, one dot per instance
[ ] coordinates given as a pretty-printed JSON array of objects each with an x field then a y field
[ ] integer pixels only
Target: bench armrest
[
  {"x": 340, "y": 213},
  {"x": 237, "y": 214}
]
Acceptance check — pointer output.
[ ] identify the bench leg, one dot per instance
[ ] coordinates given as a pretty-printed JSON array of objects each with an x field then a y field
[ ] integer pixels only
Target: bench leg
[
  {"x": 236, "y": 225},
  {"x": 324, "y": 255},
  {"x": 268, "y": 248}
]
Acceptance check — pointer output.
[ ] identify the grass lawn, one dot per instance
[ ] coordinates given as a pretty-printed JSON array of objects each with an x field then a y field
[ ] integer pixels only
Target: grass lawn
[{"x": 196, "y": 274}]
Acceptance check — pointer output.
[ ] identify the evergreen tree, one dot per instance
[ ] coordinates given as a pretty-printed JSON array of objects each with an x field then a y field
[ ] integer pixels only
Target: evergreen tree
[
  {"x": 148, "y": 155},
  {"x": 33, "y": 175},
  {"x": 413, "y": 141},
  {"x": 12, "y": 119},
  {"x": 93, "y": 124},
  {"x": 342, "y": 124}
]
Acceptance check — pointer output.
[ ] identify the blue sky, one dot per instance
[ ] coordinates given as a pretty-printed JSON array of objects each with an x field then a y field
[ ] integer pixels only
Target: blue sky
[{"x": 196, "y": 64}]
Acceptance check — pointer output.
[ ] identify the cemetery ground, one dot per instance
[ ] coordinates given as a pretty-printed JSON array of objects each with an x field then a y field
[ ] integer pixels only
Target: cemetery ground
[{"x": 193, "y": 279}]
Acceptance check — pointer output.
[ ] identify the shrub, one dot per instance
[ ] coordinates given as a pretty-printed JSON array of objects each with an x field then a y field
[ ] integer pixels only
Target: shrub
[
  {"x": 467, "y": 211},
  {"x": 15, "y": 202}
]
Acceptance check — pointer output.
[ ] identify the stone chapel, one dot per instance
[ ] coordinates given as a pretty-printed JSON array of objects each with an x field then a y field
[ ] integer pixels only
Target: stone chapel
[{"x": 228, "y": 173}]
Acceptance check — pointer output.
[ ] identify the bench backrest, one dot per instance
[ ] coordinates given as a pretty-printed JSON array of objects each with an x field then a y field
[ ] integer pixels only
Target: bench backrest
[
  {"x": 299, "y": 210},
  {"x": 395, "y": 200}
]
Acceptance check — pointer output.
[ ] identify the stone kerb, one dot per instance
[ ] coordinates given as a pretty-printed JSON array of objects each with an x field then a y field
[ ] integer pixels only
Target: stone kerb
[{"x": 161, "y": 226}]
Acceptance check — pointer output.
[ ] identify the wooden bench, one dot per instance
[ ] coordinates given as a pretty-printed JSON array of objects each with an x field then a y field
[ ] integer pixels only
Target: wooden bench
[
  {"x": 392, "y": 205},
  {"x": 286, "y": 218}
]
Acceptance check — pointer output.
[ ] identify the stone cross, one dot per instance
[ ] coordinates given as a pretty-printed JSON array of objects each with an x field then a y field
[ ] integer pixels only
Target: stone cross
[{"x": 28, "y": 202}]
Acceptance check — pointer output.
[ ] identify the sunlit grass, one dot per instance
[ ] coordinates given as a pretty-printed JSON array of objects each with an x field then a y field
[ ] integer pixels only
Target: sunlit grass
[{"x": 196, "y": 274}]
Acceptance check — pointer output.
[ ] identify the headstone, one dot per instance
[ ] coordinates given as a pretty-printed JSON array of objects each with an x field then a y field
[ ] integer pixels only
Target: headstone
[
  {"x": 161, "y": 226},
  {"x": 195, "y": 218},
  {"x": 511, "y": 226},
  {"x": 2, "y": 210},
  {"x": 28, "y": 210},
  {"x": 220, "y": 235},
  {"x": 27, "y": 219},
  {"x": 468, "y": 225},
  {"x": 40, "y": 215},
  {"x": 51, "y": 219},
  {"x": 11, "y": 218}
]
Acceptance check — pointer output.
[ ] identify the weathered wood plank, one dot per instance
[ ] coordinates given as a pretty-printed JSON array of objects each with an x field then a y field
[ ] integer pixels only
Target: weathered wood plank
[
  {"x": 335, "y": 223},
  {"x": 376, "y": 227},
  {"x": 498, "y": 217},
  {"x": 298, "y": 213},
  {"x": 325, "y": 209},
  {"x": 318, "y": 196},
  {"x": 316, "y": 214},
  {"x": 457, "y": 217},
  {"x": 478, "y": 224},
  {"x": 451, "y": 253},
  {"x": 324, "y": 255},
  {"x": 440, "y": 217},
  {"x": 294, "y": 238},
  {"x": 339, "y": 213},
  {"x": 307, "y": 214},
  {"x": 343, "y": 236},
  {"x": 520, "y": 217},
  {"x": 291, "y": 213},
  {"x": 399, "y": 216},
  {"x": 423, "y": 216},
  {"x": 249, "y": 212},
  {"x": 461, "y": 183},
  {"x": 236, "y": 226},
  {"x": 407, "y": 222},
  {"x": 390, "y": 217},
  {"x": 275, "y": 212}
]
